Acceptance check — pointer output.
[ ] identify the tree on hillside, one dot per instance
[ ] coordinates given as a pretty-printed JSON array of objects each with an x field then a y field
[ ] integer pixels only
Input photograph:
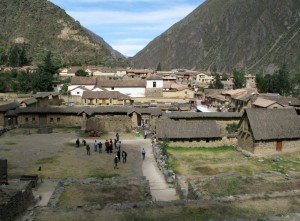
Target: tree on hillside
[
  {"x": 17, "y": 56},
  {"x": 224, "y": 77},
  {"x": 81, "y": 72},
  {"x": 158, "y": 67},
  {"x": 283, "y": 81},
  {"x": 48, "y": 64},
  {"x": 239, "y": 79},
  {"x": 279, "y": 82},
  {"x": 25, "y": 82},
  {"x": 216, "y": 84}
]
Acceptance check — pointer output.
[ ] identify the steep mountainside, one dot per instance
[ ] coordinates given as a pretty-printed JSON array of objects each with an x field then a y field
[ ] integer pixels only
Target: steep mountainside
[
  {"x": 43, "y": 26},
  {"x": 246, "y": 34}
]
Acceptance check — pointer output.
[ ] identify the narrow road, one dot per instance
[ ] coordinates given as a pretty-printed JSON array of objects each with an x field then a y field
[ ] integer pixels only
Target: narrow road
[{"x": 159, "y": 188}]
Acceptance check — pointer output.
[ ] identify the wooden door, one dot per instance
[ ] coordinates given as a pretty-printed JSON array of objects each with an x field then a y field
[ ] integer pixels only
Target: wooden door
[
  {"x": 279, "y": 145},
  {"x": 103, "y": 102}
]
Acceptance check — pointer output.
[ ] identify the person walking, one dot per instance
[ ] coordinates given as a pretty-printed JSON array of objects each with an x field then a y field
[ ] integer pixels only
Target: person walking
[
  {"x": 77, "y": 142},
  {"x": 117, "y": 136},
  {"x": 116, "y": 162},
  {"x": 83, "y": 142},
  {"x": 95, "y": 146},
  {"x": 100, "y": 147},
  {"x": 124, "y": 156},
  {"x": 118, "y": 145},
  {"x": 88, "y": 150},
  {"x": 106, "y": 146},
  {"x": 143, "y": 153},
  {"x": 110, "y": 146},
  {"x": 119, "y": 155}
]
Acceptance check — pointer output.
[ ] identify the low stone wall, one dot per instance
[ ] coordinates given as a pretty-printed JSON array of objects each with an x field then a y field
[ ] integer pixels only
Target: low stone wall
[
  {"x": 15, "y": 198},
  {"x": 225, "y": 141},
  {"x": 64, "y": 183}
]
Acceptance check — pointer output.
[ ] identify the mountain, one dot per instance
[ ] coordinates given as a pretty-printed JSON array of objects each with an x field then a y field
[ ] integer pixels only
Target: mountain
[
  {"x": 41, "y": 26},
  {"x": 253, "y": 35}
]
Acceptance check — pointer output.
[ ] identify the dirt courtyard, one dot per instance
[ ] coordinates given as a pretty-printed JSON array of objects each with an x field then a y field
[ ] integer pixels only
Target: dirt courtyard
[{"x": 59, "y": 158}]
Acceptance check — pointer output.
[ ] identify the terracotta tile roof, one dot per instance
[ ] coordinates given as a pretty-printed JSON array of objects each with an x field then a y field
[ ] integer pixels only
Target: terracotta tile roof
[{"x": 261, "y": 102}]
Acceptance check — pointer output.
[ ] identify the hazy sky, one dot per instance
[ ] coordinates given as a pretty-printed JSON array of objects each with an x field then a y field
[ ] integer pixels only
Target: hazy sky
[{"x": 128, "y": 25}]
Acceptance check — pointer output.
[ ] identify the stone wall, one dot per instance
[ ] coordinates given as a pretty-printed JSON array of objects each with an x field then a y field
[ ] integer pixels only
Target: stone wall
[
  {"x": 64, "y": 183},
  {"x": 109, "y": 123},
  {"x": 14, "y": 199},
  {"x": 225, "y": 141}
]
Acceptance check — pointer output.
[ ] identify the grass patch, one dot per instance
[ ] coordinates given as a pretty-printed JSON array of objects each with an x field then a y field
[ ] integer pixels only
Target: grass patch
[
  {"x": 226, "y": 186},
  {"x": 5, "y": 149},
  {"x": 100, "y": 175},
  {"x": 91, "y": 194},
  {"x": 48, "y": 160},
  {"x": 10, "y": 143}
]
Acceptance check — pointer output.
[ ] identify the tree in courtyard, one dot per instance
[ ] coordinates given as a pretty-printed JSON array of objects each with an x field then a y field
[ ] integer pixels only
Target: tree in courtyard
[
  {"x": 81, "y": 72},
  {"x": 239, "y": 79}
]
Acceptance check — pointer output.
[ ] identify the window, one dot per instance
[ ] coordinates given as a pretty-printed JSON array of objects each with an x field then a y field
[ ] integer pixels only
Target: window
[
  {"x": 207, "y": 140},
  {"x": 33, "y": 119},
  {"x": 26, "y": 119},
  {"x": 112, "y": 88},
  {"x": 154, "y": 84},
  {"x": 58, "y": 119},
  {"x": 51, "y": 120},
  {"x": 77, "y": 92}
]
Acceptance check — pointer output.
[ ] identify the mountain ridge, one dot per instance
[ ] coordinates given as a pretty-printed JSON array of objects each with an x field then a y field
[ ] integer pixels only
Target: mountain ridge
[
  {"x": 42, "y": 26},
  {"x": 251, "y": 35}
]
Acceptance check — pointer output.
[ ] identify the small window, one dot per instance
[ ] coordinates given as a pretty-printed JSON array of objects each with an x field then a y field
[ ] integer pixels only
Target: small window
[
  {"x": 112, "y": 88},
  {"x": 154, "y": 84},
  {"x": 207, "y": 140},
  {"x": 26, "y": 119},
  {"x": 77, "y": 92},
  {"x": 51, "y": 119},
  {"x": 33, "y": 119},
  {"x": 58, "y": 119}
]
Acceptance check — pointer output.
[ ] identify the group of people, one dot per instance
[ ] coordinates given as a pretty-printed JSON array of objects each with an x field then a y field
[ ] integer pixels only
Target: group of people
[{"x": 108, "y": 148}]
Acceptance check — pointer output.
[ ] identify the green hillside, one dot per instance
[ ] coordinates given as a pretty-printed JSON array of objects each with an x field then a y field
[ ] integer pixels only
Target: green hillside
[{"x": 40, "y": 26}]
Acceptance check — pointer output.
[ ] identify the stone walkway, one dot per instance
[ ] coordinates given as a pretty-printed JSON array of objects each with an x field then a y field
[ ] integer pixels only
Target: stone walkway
[{"x": 159, "y": 188}]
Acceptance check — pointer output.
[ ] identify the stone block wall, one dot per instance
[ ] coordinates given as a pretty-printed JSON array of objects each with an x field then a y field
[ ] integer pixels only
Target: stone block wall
[
  {"x": 202, "y": 143},
  {"x": 14, "y": 199}
]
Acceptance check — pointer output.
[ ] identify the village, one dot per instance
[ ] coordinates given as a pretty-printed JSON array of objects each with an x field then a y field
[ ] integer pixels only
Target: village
[{"x": 161, "y": 111}]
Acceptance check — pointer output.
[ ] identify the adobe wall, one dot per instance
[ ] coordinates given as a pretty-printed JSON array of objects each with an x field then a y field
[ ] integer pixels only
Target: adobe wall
[
  {"x": 266, "y": 148},
  {"x": 202, "y": 143},
  {"x": 154, "y": 92},
  {"x": 14, "y": 199},
  {"x": 109, "y": 123},
  {"x": 57, "y": 120},
  {"x": 64, "y": 120},
  {"x": 245, "y": 142}
]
